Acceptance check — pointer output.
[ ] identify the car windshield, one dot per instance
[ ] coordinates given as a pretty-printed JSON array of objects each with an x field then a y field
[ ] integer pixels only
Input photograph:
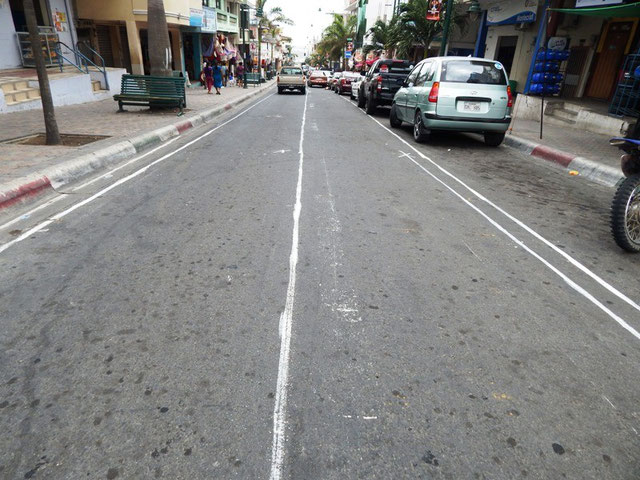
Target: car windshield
[
  {"x": 291, "y": 71},
  {"x": 470, "y": 71}
]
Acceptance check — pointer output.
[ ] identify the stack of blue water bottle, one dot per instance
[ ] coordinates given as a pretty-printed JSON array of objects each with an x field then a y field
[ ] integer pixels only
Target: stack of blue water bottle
[{"x": 546, "y": 80}]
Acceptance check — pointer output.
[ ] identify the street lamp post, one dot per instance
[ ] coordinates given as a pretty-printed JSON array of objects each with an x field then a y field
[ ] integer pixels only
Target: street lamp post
[{"x": 445, "y": 28}]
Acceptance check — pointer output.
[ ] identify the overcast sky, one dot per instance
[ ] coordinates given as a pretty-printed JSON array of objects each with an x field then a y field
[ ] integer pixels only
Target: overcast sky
[{"x": 309, "y": 21}]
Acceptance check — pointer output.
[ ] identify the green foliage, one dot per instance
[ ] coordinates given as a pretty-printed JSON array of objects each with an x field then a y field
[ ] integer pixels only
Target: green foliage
[
  {"x": 411, "y": 26},
  {"x": 334, "y": 37}
]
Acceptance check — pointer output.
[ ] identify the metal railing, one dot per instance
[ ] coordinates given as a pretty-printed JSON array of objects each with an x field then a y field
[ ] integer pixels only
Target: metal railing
[{"x": 82, "y": 62}]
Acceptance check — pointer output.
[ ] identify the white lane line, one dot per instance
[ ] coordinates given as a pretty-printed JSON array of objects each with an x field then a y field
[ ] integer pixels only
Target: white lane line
[
  {"x": 64, "y": 213},
  {"x": 286, "y": 320},
  {"x": 108, "y": 174},
  {"x": 564, "y": 277}
]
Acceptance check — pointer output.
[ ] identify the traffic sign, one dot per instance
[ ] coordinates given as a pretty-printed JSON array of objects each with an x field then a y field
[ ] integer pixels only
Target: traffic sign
[{"x": 347, "y": 54}]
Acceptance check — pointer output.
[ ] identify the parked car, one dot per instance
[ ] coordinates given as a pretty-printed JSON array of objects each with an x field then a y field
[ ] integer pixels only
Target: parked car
[
  {"x": 291, "y": 78},
  {"x": 344, "y": 82},
  {"x": 461, "y": 94},
  {"x": 332, "y": 80},
  {"x": 355, "y": 87},
  {"x": 382, "y": 81},
  {"x": 317, "y": 78}
]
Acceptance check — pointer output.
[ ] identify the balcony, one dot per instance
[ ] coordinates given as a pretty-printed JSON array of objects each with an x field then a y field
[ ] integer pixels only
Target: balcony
[{"x": 227, "y": 22}]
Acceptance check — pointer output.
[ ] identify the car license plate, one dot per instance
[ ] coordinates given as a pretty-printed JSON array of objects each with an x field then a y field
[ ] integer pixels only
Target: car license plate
[{"x": 471, "y": 106}]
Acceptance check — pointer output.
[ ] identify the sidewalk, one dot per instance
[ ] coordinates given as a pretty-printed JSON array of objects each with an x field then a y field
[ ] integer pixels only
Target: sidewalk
[
  {"x": 27, "y": 169},
  {"x": 580, "y": 151}
]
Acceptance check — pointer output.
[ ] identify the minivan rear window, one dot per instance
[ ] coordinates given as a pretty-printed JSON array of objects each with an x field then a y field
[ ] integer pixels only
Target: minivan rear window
[
  {"x": 473, "y": 71},
  {"x": 291, "y": 71}
]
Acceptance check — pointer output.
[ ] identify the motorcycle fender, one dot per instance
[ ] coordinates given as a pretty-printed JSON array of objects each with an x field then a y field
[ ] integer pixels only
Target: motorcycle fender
[{"x": 630, "y": 164}]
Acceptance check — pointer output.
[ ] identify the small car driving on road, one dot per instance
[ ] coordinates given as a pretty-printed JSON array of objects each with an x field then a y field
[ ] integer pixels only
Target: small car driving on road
[
  {"x": 291, "y": 78},
  {"x": 318, "y": 78},
  {"x": 461, "y": 94}
]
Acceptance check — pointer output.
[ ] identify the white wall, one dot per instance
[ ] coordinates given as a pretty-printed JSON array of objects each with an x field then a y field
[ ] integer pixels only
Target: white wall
[
  {"x": 9, "y": 53},
  {"x": 378, "y": 10},
  {"x": 68, "y": 35}
]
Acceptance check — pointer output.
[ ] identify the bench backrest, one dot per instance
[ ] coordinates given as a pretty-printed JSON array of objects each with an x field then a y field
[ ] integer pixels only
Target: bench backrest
[
  {"x": 146, "y": 85},
  {"x": 253, "y": 77}
]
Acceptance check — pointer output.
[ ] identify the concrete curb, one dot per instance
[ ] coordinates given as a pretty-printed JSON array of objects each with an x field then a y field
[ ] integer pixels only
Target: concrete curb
[
  {"x": 589, "y": 169},
  {"x": 79, "y": 165}
]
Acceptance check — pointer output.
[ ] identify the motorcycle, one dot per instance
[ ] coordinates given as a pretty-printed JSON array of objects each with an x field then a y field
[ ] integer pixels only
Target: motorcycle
[{"x": 625, "y": 208}]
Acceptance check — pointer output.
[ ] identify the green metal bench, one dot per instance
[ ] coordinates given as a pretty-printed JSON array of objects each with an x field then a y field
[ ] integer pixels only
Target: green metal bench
[
  {"x": 252, "y": 78},
  {"x": 143, "y": 90}
]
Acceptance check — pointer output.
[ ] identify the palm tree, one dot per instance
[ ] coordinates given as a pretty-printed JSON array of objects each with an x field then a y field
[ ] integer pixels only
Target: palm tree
[
  {"x": 273, "y": 17},
  {"x": 159, "y": 46},
  {"x": 50, "y": 123},
  {"x": 411, "y": 26},
  {"x": 381, "y": 36},
  {"x": 334, "y": 37}
]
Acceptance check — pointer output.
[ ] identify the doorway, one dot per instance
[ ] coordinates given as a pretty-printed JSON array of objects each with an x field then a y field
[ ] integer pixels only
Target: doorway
[
  {"x": 612, "y": 50},
  {"x": 19, "y": 19},
  {"x": 506, "y": 51}
]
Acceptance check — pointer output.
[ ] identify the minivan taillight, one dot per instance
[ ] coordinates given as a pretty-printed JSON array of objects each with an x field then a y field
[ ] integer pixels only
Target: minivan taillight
[
  {"x": 509, "y": 97},
  {"x": 433, "y": 94},
  {"x": 379, "y": 80},
  {"x": 278, "y": 78}
]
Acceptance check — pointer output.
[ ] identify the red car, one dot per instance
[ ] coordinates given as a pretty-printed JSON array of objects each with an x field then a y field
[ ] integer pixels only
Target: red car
[
  {"x": 343, "y": 82},
  {"x": 317, "y": 79}
]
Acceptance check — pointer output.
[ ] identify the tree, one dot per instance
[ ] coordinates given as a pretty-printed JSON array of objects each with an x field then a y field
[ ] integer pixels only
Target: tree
[
  {"x": 334, "y": 38},
  {"x": 411, "y": 26},
  {"x": 269, "y": 22},
  {"x": 159, "y": 45},
  {"x": 50, "y": 123},
  {"x": 381, "y": 36}
]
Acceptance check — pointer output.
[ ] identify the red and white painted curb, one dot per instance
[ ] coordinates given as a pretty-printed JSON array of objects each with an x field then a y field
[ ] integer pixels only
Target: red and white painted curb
[
  {"x": 589, "y": 169},
  {"x": 29, "y": 188}
]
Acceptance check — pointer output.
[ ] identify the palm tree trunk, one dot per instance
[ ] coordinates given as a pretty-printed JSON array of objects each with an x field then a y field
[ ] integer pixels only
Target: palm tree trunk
[
  {"x": 50, "y": 124},
  {"x": 259, "y": 52},
  {"x": 159, "y": 45}
]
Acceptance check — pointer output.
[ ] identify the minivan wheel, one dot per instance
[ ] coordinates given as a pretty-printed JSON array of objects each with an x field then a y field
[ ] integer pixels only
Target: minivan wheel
[
  {"x": 420, "y": 134},
  {"x": 493, "y": 139},
  {"x": 393, "y": 117}
]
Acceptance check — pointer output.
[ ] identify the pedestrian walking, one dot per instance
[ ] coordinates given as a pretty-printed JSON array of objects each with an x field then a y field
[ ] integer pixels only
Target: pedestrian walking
[
  {"x": 223, "y": 70},
  {"x": 217, "y": 77},
  {"x": 240, "y": 74},
  {"x": 208, "y": 75}
]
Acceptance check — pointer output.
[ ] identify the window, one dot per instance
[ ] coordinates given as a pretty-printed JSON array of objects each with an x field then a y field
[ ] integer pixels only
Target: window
[
  {"x": 218, "y": 3},
  {"x": 424, "y": 72},
  {"x": 473, "y": 71},
  {"x": 414, "y": 74},
  {"x": 291, "y": 71}
]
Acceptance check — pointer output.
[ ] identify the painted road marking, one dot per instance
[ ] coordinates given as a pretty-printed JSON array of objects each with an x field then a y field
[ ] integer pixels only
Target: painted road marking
[
  {"x": 574, "y": 262},
  {"x": 286, "y": 320},
  {"x": 64, "y": 213}
]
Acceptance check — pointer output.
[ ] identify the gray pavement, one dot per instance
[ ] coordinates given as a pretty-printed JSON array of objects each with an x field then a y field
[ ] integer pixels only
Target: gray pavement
[{"x": 140, "y": 334}]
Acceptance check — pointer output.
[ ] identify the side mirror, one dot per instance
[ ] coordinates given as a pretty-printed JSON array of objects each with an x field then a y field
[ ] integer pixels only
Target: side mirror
[{"x": 363, "y": 73}]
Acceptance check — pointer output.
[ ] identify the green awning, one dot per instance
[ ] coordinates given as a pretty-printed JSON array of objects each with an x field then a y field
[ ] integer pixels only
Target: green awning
[{"x": 628, "y": 10}]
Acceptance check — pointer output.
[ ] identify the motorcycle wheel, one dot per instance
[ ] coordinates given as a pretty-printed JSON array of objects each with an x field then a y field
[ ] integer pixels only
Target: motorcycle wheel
[{"x": 625, "y": 215}]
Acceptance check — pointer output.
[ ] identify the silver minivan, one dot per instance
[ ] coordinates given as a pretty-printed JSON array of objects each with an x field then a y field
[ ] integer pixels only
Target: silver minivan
[{"x": 461, "y": 94}]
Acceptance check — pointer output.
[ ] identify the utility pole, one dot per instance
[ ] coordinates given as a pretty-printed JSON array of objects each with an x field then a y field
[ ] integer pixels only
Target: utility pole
[{"x": 445, "y": 29}]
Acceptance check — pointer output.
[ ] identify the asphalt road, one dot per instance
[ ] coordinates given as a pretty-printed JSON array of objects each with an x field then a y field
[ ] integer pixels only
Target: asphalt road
[{"x": 305, "y": 294}]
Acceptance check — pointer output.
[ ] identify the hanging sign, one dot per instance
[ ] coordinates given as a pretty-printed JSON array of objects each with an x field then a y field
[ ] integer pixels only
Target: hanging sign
[
  {"x": 596, "y": 3},
  {"x": 558, "y": 43},
  {"x": 510, "y": 12},
  {"x": 434, "y": 10},
  {"x": 210, "y": 20},
  {"x": 195, "y": 17}
]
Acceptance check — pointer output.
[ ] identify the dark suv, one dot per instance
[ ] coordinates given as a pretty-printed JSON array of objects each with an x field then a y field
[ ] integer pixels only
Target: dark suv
[{"x": 383, "y": 80}]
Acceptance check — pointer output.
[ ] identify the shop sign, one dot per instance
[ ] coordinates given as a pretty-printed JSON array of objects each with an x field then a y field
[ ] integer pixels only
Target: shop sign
[
  {"x": 558, "y": 43},
  {"x": 433, "y": 12},
  {"x": 596, "y": 3},
  {"x": 196, "y": 16},
  {"x": 210, "y": 20},
  {"x": 510, "y": 12}
]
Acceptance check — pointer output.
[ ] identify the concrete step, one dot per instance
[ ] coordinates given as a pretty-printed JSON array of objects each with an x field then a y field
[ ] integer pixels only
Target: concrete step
[
  {"x": 568, "y": 121},
  {"x": 97, "y": 86},
  {"x": 9, "y": 86},
  {"x": 18, "y": 102},
  {"x": 564, "y": 113},
  {"x": 22, "y": 95}
]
